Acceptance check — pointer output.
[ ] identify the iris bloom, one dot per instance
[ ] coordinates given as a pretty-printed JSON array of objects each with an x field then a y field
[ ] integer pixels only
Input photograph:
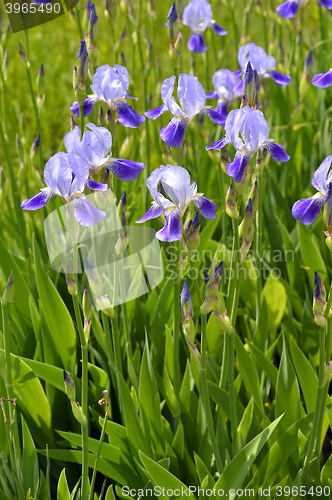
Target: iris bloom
[
  {"x": 289, "y": 9},
  {"x": 198, "y": 16},
  {"x": 172, "y": 192},
  {"x": 225, "y": 84},
  {"x": 110, "y": 87},
  {"x": 95, "y": 151},
  {"x": 262, "y": 63},
  {"x": 323, "y": 80},
  {"x": 306, "y": 211},
  {"x": 247, "y": 130},
  {"x": 66, "y": 176},
  {"x": 192, "y": 99}
]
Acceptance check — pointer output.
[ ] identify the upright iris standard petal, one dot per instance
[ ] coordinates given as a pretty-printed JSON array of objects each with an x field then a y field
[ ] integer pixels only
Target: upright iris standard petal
[
  {"x": 192, "y": 99},
  {"x": 288, "y": 9},
  {"x": 172, "y": 191},
  {"x": 323, "y": 80}
]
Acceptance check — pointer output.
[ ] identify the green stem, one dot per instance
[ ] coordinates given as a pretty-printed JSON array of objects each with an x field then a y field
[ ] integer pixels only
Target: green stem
[
  {"x": 316, "y": 431},
  {"x": 116, "y": 345},
  {"x": 9, "y": 382},
  {"x": 176, "y": 326},
  {"x": 84, "y": 428},
  {"x": 101, "y": 440},
  {"x": 231, "y": 347},
  {"x": 258, "y": 240},
  {"x": 205, "y": 388},
  {"x": 82, "y": 120}
]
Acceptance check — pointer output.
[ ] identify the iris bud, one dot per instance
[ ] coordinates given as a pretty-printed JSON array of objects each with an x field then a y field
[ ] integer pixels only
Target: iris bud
[
  {"x": 327, "y": 216},
  {"x": 93, "y": 277},
  {"x": 231, "y": 208},
  {"x": 122, "y": 242},
  {"x": 127, "y": 146},
  {"x": 69, "y": 385},
  {"x": 223, "y": 322},
  {"x": 78, "y": 412},
  {"x": 40, "y": 86},
  {"x": 319, "y": 302},
  {"x": 328, "y": 240},
  {"x": 104, "y": 305},
  {"x": 327, "y": 374},
  {"x": 187, "y": 312},
  {"x": 9, "y": 293},
  {"x": 192, "y": 232},
  {"x": 247, "y": 231},
  {"x": 251, "y": 86},
  {"x": 172, "y": 17},
  {"x": 101, "y": 117},
  {"x": 253, "y": 195},
  {"x": 23, "y": 57},
  {"x": 93, "y": 25},
  {"x": 71, "y": 283},
  {"x": 111, "y": 11}
]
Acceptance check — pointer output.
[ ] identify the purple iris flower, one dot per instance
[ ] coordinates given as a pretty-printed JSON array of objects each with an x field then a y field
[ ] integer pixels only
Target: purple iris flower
[
  {"x": 247, "y": 130},
  {"x": 66, "y": 175},
  {"x": 262, "y": 63},
  {"x": 172, "y": 191},
  {"x": 225, "y": 84},
  {"x": 290, "y": 8},
  {"x": 198, "y": 16},
  {"x": 110, "y": 86},
  {"x": 95, "y": 151},
  {"x": 323, "y": 80},
  {"x": 307, "y": 210},
  {"x": 192, "y": 98}
]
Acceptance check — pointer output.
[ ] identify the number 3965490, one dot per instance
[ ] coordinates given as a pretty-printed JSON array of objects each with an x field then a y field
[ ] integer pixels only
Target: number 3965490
[{"x": 32, "y": 8}]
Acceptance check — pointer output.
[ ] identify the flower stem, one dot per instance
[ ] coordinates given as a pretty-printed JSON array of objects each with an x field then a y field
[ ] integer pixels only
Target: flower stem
[
  {"x": 176, "y": 324},
  {"x": 9, "y": 383},
  {"x": 101, "y": 440},
  {"x": 258, "y": 239},
  {"x": 230, "y": 338},
  {"x": 205, "y": 388},
  {"x": 314, "y": 440}
]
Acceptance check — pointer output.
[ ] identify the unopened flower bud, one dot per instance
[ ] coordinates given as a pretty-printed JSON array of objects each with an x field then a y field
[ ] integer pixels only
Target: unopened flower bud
[
  {"x": 69, "y": 385},
  {"x": 319, "y": 304},
  {"x": 127, "y": 146},
  {"x": 218, "y": 271},
  {"x": 327, "y": 374},
  {"x": 179, "y": 154},
  {"x": 192, "y": 235},
  {"x": 23, "y": 57},
  {"x": 186, "y": 302},
  {"x": 78, "y": 412},
  {"x": 86, "y": 16},
  {"x": 87, "y": 309},
  {"x": 9, "y": 293},
  {"x": 41, "y": 81},
  {"x": 101, "y": 117},
  {"x": 122, "y": 243},
  {"x": 247, "y": 231},
  {"x": 172, "y": 17},
  {"x": 241, "y": 188},
  {"x": 75, "y": 78},
  {"x": 110, "y": 124},
  {"x": 103, "y": 304},
  {"x": 251, "y": 86},
  {"x": 82, "y": 70},
  {"x": 328, "y": 240},
  {"x": 179, "y": 43},
  {"x": 327, "y": 216},
  {"x": 180, "y": 7},
  {"x": 253, "y": 195},
  {"x": 93, "y": 25},
  {"x": 223, "y": 322},
  {"x": 93, "y": 277},
  {"x": 111, "y": 11},
  {"x": 71, "y": 283},
  {"x": 231, "y": 208}
]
